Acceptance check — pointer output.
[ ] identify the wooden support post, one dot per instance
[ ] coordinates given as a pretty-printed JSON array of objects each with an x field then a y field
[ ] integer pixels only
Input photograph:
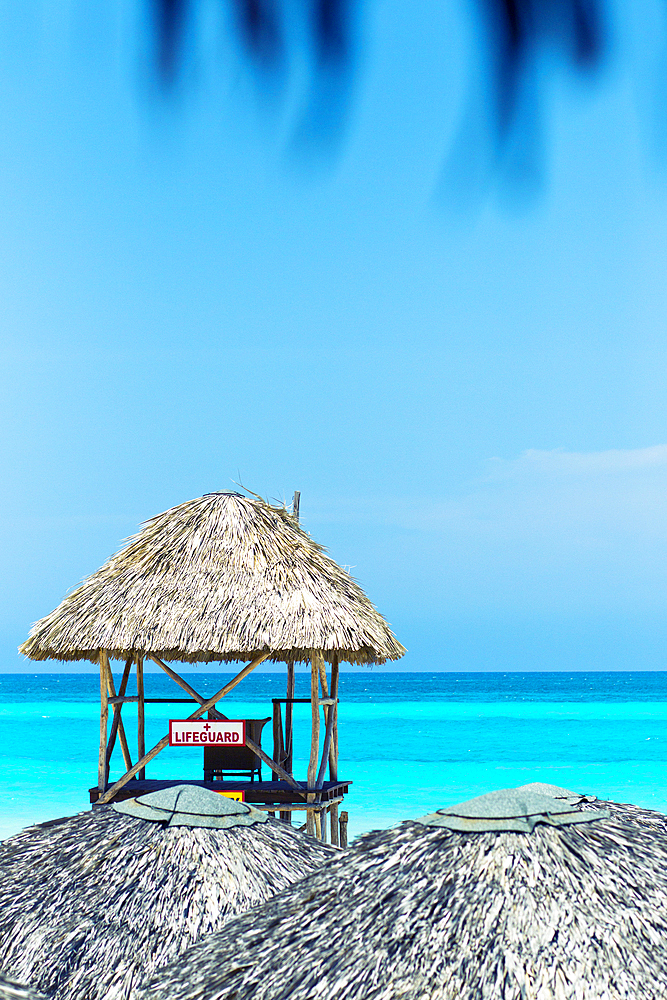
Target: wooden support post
[
  {"x": 323, "y": 676},
  {"x": 314, "y": 735},
  {"x": 325, "y": 694},
  {"x": 333, "y": 746},
  {"x": 141, "y": 717},
  {"x": 109, "y": 794},
  {"x": 289, "y": 727},
  {"x": 343, "y": 829},
  {"x": 315, "y": 718},
  {"x": 331, "y": 715},
  {"x": 117, "y": 724},
  {"x": 278, "y": 746},
  {"x": 104, "y": 718},
  {"x": 213, "y": 714},
  {"x": 336, "y": 839},
  {"x": 286, "y": 816},
  {"x": 333, "y": 813},
  {"x": 327, "y": 744},
  {"x": 318, "y": 824}
]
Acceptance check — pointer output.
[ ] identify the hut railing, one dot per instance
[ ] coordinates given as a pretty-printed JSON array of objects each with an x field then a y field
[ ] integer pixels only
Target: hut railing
[
  {"x": 213, "y": 713},
  {"x": 329, "y": 704},
  {"x": 282, "y": 739},
  {"x": 321, "y": 698},
  {"x": 121, "y": 700},
  {"x": 139, "y": 767}
]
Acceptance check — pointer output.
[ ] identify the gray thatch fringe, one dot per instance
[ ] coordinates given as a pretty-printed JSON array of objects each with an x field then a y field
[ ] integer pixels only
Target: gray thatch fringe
[
  {"x": 91, "y": 903},
  {"x": 577, "y": 912},
  {"x": 219, "y": 578},
  {"x": 14, "y": 991}
]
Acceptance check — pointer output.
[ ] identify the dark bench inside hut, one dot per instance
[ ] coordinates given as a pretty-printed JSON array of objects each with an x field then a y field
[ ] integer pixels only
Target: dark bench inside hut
[{"x": 233, "y": 761}]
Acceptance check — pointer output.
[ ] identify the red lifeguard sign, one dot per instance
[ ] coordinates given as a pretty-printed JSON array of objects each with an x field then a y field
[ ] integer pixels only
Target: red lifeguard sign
[{"x": 201, "y": 733}]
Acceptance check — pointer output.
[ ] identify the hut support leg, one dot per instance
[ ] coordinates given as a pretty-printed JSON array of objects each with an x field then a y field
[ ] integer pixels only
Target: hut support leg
[
  {"x": 288, "y": 719},
  {"x": 333, "y": 813},
  {"x": 104, "y": 718},
  {"x": 331, "y": 716},
  {"x": 109, "y": 794},
  {"x": 326, "y": 709},
  {"x": 323, "y": 678},
  {"x": 327, "y": 744},
  {"x": 141, "y": 718},
  {"x": 314, "y": 735},
  {"x": 333, "y": 746},
  {"x": 278, "y": 745},
  {"x": 117, "y": 724},
  {"x": 343, "y": 829}
]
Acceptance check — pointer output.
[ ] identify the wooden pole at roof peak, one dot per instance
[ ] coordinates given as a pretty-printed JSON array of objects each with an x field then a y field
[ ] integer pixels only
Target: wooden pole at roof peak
[{"x": 295, "y": 504}]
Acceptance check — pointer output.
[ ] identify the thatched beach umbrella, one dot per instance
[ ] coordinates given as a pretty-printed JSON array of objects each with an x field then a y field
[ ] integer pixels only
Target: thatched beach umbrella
[
  {"x": 14, "y": 991},
  {"x": 91, "y": 904},
  {"x": 513, "y": 896},
  {"x": 219, "y": 579}
]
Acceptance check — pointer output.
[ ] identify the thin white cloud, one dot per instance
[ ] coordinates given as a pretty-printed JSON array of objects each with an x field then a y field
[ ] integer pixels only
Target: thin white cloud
[
  {"x": 546, "y": 528},
  {"x": 615, "y": 488},
  {"x": 559, "y": 462}
]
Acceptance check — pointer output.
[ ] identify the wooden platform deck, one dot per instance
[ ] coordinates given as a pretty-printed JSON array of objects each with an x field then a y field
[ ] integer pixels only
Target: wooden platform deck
[{"x": 272, "y": 794}]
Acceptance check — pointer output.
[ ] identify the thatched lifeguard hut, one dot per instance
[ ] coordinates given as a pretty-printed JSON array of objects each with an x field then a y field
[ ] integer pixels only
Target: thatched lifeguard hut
[
  {"x": 223, "y": 578},
  {"x": 92, "y": 904},
  {"x": 518, "y": 895}
]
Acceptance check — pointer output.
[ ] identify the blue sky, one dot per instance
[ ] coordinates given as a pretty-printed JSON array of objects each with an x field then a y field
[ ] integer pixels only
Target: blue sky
[{"x": 472, "y": 402}]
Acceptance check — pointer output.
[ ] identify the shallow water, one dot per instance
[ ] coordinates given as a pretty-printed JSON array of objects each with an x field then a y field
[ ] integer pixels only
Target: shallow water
[{"x": 411, "y": 743}]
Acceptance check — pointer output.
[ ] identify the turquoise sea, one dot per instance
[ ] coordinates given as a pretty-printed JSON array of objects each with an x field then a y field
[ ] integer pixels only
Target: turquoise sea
[{"x": 411, "y": 743}]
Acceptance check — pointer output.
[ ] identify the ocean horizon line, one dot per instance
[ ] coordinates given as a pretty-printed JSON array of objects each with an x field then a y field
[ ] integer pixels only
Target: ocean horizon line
[{"x": 346, "y": 668}]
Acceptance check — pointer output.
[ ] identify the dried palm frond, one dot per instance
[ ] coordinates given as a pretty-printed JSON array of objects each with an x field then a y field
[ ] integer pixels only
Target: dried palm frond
[{"x": 219, "y": 578}]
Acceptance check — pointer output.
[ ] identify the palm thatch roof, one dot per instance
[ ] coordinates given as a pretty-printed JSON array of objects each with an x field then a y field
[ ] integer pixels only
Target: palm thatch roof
[
  {"x": 219, "y": 578},
  {"x": 565, "y": 912},
  {"x": 14, "y": 991},
  {"x": 92, "y": 903}
]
